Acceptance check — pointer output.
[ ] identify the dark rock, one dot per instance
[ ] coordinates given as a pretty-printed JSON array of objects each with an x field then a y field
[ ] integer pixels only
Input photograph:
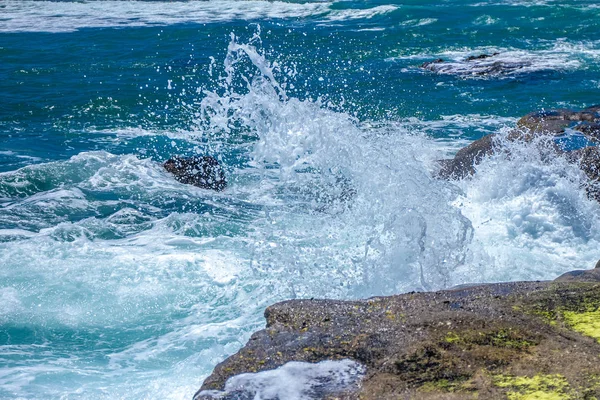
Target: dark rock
[
  {"x": 556, "y": 121},
  {"x": 597, "y": 264},
  {"x": 588, "y": 160},
  {"x": 552, "y": 124},
  {"x": 591, "y": 130},
  {"x": 427, "y": 64},
  {"x": 590, "y": 275},
  {"x": 480, "y": 65},
  {"x": 490, "y": 342},
  {"x": 480, "y": 57},
  {"x": 204, "y": 172},
  {"x": 464, "y": 162}
]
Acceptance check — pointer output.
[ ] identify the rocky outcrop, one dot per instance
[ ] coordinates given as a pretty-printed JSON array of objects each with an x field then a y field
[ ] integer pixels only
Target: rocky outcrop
[
  {"x": 464, "y": 162},
  {"x": 534, "y": 340},
  {"x": 571, "y": 132},
  {"x": 478, "y": 65},
  {"x": 556, "y": 122},
  {"x": 204, "y": 172}
]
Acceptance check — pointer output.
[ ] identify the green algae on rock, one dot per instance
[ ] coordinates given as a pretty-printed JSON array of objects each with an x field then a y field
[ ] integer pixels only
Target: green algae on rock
[
  {"x": 587, "y": 323},
  {"x": 516, "y": 341},
  {"x": 538, "y": 387}
]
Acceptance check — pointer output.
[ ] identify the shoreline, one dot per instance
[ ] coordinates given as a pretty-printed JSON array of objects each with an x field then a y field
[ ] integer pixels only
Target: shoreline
[{"x": 483, "y": 340}]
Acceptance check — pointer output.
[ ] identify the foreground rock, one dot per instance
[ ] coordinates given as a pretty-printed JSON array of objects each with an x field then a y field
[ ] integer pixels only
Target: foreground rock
[
  {"x": 204, "y": 172},
  {"x": 536, "y": 340},
  {"x": 570, "y": 132}
]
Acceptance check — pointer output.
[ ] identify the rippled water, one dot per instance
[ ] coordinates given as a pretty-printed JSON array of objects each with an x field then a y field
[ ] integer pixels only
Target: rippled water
[{"x": 119, "y": 282}]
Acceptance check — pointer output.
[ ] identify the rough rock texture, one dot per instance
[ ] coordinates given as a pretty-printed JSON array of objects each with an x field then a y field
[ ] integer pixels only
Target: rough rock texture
[
  {"x": 522, "y": 340},
  {"x": 586, "y": 121},
  {"x": 204, "y": 172}
]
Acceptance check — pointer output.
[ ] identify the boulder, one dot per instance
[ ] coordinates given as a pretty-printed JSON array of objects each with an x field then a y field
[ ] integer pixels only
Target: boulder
[
  {"x": 555, "y": 122},
  {"x": 584, "y": 131},
  {"x": 590, "y": 275},
  {"x": 202, "y": 171},
  {"x": 464, "y": 162},
  {"x": 515, "y": 340}
]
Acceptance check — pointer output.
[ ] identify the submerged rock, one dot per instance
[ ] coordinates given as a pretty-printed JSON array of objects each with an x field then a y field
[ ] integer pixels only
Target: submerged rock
[
  {"x": 479, "y": 65},
  {"x": 496, "y": 341},
  {"x": 480, "y": 57},
  {"x": 204, "y": 172}
]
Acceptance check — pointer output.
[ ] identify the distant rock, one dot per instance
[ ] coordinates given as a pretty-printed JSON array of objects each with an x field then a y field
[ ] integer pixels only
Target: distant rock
[
  {"x": 202, "y": 171},
  {"x": 479, "y": 65},
  {"x": 427, "y": 64},
  {"x": 507, "y": 340},
  {"x": 480, "y": 57}
]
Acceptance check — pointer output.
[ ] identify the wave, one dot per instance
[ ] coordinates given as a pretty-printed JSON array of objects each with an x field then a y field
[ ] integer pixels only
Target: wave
[
  {"x": 133, "y": 285},
  {"x": 48, "y": 16},
  {"x": 559, "y": 55}
]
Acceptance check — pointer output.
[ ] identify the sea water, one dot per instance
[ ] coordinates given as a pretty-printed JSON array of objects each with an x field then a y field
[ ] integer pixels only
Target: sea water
[{"x": 118, "y": 282}]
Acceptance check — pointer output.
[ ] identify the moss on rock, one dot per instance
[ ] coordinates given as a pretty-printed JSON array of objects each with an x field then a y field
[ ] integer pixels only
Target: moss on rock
[{"x": 521, "y": 341}]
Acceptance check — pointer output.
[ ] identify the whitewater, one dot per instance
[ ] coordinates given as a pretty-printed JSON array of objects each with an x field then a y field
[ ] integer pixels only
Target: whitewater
[{"x": 118, "y": 282}]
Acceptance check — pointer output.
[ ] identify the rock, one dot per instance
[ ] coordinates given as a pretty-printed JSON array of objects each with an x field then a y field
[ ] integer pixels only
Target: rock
[
  {"x": 204, "y": 172},
  {"x": 552, "y": 124},
  {"x": 480, "y": 65},
  {"x": 498, "y": 341},
  {"x": 480, "y": 57},
  {"x": 427, "y": 64},
  {"x": 556, "y": 121},
  {"x": 591, "y": 275},
  {"x": 464, "y": 162}
]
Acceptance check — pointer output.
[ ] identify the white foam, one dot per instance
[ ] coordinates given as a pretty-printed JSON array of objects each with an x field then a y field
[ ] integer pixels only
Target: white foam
[
  {"x": 419, "y": 22},
  {"x": 295, "y": 381},
  {"x": 67, "y": 16},
  {"x": 352, "y": 14},
  {"x": 531, "y": 218},
  {"x": 557, "y": 55},
  {"x": 9, "y": 297}
]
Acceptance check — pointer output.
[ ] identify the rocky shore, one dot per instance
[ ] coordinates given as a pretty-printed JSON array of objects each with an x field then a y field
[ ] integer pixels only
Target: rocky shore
[
  {"x": 520, "y": 340},
  {"x": 516, "y": 341}
]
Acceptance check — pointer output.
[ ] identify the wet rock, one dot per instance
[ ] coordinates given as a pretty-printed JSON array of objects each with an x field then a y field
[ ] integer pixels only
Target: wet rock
[
  {"x": 480, "y": 57},
  {"x": 591, "y": 275},
  {"x": 479, "y": 65},
  {"x": 464, "y": 162},
  {"x": 202, "y": 171},
  {"x": 552, "y": 124},
  {"x": 556, "y": 121},
  {"x": 507, "y": 340},
  {"x": 427, "y": 64}
]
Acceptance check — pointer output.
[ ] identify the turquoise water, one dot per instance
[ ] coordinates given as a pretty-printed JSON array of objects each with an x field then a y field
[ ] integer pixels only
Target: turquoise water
[{"x": 116, "y": 281}]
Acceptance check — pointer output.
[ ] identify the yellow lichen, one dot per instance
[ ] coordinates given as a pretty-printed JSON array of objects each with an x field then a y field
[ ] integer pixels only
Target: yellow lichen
[
  {"x": 539, "y": 387},
  {"x": 452, "y": 337},
  {"x": 587, "y": 323}
]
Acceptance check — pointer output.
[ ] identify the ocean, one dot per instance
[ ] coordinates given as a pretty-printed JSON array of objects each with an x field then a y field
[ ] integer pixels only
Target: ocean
[{"x": 119, "y": 282}]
